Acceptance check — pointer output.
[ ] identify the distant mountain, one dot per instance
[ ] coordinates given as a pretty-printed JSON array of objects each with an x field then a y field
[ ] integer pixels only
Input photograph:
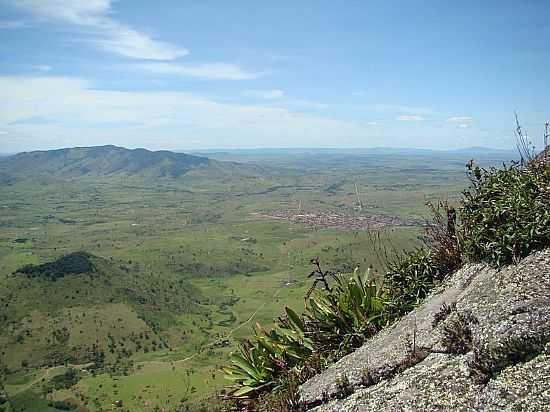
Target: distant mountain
[
  {"x": 485, "y": 150},
  {"x": 478, "y": 150},
  {"x": 101, "y": 161}
]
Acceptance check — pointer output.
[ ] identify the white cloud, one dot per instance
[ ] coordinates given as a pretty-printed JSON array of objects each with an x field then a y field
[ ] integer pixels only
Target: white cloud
[
  {"x": 50, "y": 111},
  {"x": 127, "y": 42},
  {"x": 107, "y": 33},
  {"x": 459, "y": 119},
  {"x": 392, "y": 108},
  {"x": 73, "y": 11},
  {"x": 272, "y": 94},
  {"x": 302, "y": 104},
  {"x": 204, "y": 70},
  {"x": 358, "y": 93},
  {"x": 83, "y": 115},
  {"x": 372, "y": 123},
  {"x": 44, "y": 68},
  {"x": 409, "y": 118},
  {"x": 463, "y": 126}
]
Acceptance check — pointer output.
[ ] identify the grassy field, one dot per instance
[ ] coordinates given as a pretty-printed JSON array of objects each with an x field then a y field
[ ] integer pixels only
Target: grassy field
[{"x": 187, "y": 267}]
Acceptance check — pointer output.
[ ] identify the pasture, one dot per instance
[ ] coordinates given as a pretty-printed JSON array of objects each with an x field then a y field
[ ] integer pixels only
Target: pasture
[{"x": 214, "y": 263}]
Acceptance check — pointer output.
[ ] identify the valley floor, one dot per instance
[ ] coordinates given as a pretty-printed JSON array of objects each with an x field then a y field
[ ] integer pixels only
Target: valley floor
[{"x": 200, "y": 261}]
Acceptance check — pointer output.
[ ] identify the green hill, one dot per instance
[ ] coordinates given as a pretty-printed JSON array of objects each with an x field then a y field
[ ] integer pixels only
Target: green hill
[
  {"x": 82, "y": 308},
  {"x": 101, "y": 161}
]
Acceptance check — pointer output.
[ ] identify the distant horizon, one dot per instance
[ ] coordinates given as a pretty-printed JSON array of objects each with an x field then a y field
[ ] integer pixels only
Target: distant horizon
[{"x": 290, "y": 148}]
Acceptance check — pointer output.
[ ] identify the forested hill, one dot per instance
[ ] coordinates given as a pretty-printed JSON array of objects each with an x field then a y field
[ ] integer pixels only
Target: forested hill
[{"x": 101, "y": 161}]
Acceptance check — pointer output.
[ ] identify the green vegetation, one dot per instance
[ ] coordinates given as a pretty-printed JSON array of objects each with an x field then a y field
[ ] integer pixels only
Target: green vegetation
[
  {"x": 336, "y": 320},
  {"x": 100, "y": 160},
  {"x": 342, "y": 316},
  {"x": 124, "y": 308},
  {"x": 63, "y": 381},
  {"x": 409, "y": 279},
  {"x": 338, "y": 317},
  {"x": 504, "y": 216},
  {"x": 184, "y": 267},
  {"x": 78, "y": 262}
]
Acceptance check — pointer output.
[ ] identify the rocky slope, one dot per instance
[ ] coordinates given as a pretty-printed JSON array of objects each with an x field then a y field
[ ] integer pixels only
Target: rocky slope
[{"x": 481, "y": 341}]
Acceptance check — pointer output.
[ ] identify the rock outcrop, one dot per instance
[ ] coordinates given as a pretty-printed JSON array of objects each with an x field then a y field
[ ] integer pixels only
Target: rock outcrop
[{"x": 481, "y": 341}]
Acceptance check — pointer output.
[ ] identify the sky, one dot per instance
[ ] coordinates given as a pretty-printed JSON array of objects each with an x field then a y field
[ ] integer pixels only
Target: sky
[{"x": 193, "y": 75}]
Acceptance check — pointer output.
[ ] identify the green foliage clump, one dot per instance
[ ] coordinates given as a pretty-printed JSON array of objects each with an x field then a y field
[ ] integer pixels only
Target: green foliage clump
[
  {"x": 336, "y": 320},
  {"x": 73, "y": 263},
  {"x": 269, "y": 355},
  {"x": 63, "y": 405},
  {"x": 412, "y": 275},
  {"x": 409, "y": 279},
  {"x": 504, "y": 217},
  {"x": 341, "y": 318},
  {"x": 64, "y": 380},
  {"x": 506, "y": 214}
]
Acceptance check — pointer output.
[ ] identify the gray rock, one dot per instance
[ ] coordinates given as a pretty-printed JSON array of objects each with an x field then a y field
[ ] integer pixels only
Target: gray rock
[{"x": 505, "y": 365}]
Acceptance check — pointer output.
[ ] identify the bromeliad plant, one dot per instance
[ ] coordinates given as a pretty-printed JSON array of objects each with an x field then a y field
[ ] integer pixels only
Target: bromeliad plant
[
  {"x": 268, "y": 355},
  {"x": 337, "y": 319},
  {"x": 340, "y": 319},
  {"x": 503, "y": 217}
]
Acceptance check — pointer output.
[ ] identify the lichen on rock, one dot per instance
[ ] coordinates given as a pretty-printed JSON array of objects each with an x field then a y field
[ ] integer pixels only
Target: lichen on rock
[{"x": 500, "y": 319}]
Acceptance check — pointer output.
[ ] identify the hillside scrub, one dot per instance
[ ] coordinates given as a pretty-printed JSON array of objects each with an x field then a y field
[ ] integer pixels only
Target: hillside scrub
[
  {"x": 506, "y": 214},
  {"x": 503, "y": 216},
  {"x": 409, "y": 279},
  {"x": 73, "y": 263}
]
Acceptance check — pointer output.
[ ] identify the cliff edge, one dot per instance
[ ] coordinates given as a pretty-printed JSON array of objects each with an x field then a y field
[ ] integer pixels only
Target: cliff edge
[{"x": 481, "y": 341}]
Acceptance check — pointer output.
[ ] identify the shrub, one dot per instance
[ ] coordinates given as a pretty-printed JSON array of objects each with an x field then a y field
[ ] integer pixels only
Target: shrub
[
  {"x": 502, "y": 218},
  {"x": 73, "y": 263},
  {"x": 506, "y": 213},
  {"x": 63, "y": 405},
  {"x": 444, "y": 236},
  {"x": 410, "y": 276},
  {"x": 336, "y": 320},
  {"x": 409, "y": 279},
  {"x": 263, "y": 359},
  {"x": 63, "y": 381}
]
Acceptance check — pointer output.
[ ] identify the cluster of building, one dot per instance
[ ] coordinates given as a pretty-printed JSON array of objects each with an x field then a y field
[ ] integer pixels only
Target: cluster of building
[{"x": 336, "y": 219}]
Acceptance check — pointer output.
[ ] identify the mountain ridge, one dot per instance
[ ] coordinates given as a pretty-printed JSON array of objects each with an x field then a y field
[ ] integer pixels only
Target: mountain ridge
[
  {"x": 105, "y": 160},
  {"x": 362, "y": 150}
]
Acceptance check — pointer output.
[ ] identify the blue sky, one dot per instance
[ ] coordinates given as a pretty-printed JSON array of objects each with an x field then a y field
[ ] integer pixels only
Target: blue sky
[{"x": 218, "y": 74}]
